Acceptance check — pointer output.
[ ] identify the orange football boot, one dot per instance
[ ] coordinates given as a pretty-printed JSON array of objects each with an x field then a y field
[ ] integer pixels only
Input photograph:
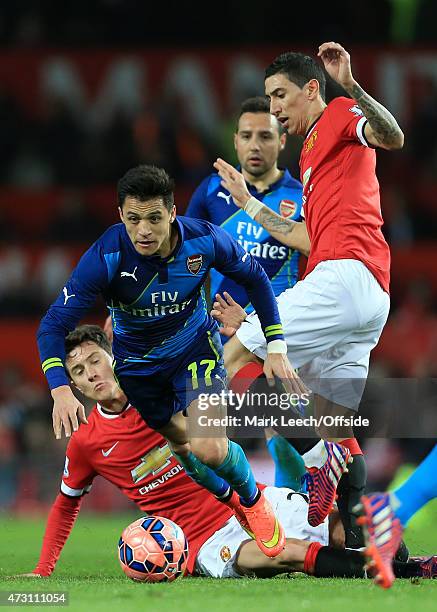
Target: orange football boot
[{"x": 269, "y": 534}]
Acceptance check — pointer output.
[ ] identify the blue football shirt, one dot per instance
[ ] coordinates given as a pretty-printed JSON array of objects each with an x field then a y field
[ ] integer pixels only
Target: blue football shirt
[
  {"x": 157, "y": 305},
  {"x": 213, "y": 203}
]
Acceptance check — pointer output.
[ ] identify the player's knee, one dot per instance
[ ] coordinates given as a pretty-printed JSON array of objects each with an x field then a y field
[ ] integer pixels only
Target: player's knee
[
  {"x": 212, "y": 452},
  {"x": 183, "y": 450}
]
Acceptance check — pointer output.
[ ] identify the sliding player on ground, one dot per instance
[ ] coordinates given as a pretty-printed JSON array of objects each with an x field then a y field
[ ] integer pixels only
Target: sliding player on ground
[{"x": 118, "y": 445}]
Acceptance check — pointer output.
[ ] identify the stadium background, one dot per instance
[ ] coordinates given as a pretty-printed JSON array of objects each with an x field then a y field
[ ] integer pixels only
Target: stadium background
[{"x": 89, "y": 89}]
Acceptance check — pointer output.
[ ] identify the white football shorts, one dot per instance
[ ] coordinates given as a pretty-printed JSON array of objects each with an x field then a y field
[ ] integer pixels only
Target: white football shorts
[
  {"x": 331, "y": 320},
  {"x": 217, "y": 556}
]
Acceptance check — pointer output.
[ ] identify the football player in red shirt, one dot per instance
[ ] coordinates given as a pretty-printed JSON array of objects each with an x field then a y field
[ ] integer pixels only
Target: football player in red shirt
[
  {"x": 334, "y": 317},
  {"x": 117, "y": 444}
]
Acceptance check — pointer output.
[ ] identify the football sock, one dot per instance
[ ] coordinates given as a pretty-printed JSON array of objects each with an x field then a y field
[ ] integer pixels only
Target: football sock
[
  {"x": 289, "y": 465},
  {"x": 418, "y": 490},
  {"x": 327, "y": 562},
  {"x": 402, "y": 553},
  {"x": 245, "y": 377},
  {"x": 203, "y": 474},
  {"x": 236, "y": 470},
  {"x": 349, "y": 491},
  {"x": 352, "y": 445},
  {"x": 407, "y": 570}
]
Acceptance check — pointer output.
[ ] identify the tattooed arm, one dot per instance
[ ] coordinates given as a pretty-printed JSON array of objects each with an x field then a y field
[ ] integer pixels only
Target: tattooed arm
[
  {"x": 291, "y": 233},
  {"x": 382, "y": 129}
]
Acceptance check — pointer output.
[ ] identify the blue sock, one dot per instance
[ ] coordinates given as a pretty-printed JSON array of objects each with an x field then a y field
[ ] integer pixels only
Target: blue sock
[
  {"x": 203, "y": 475},
  {"x": 289, "y": 465},
  {"x": 418, "y": 490},
  {"x": 236, "y": 470}
]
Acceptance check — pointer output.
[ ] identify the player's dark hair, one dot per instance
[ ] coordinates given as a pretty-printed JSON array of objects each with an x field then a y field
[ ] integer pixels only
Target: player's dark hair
[
  {"x": 87, "y": 333},
  {"x": 299, "y": 69},
  {"x": 145, "y": 183},
  {"x": 257, "y": 104}
]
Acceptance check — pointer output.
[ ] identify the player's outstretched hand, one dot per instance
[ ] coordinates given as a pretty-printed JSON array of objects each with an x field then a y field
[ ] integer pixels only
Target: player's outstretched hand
[
  {"x": 277, "y": 364},
  {"x": 233, "y": 181},
  {"x": 337, "y": 62},
  {"x": 67, "y": 411},
  {"x": 228, "y": 313}
]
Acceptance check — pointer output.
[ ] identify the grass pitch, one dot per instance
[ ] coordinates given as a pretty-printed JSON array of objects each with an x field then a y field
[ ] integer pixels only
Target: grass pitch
[{"x": 89, "y": 571}]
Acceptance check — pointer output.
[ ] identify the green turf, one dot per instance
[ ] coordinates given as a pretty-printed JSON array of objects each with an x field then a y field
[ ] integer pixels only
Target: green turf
[{"x": 89, "y": 571}]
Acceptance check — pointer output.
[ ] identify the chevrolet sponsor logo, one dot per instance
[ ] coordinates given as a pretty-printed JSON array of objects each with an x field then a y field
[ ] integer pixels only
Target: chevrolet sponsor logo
[{"x": 152, "y": 463}]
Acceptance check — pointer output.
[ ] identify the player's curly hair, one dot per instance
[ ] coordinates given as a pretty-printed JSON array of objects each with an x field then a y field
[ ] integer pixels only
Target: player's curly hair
[
  {"x": 299, "y": 69},
  {"x": 144, "y": 183},
  {"x": 90, "y": 333}
]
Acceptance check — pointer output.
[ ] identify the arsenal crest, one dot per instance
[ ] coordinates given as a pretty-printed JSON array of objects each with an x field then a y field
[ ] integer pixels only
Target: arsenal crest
[
  {"x": 194, "y": 263},
  {"x": 287, "y": 208}
]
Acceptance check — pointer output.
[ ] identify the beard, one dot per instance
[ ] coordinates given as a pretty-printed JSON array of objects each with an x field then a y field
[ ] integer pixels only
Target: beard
[{"x": 255, "y": 170}]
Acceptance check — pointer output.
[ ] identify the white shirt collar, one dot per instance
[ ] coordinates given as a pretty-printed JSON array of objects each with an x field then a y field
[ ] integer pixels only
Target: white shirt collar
[{"x": 116, "y": 415}]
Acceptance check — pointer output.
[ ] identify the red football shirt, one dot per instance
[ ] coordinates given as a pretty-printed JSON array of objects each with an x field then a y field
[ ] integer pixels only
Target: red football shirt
[
  {"x": 137, "y": 460},
  {"x": 341, "y": 192}
]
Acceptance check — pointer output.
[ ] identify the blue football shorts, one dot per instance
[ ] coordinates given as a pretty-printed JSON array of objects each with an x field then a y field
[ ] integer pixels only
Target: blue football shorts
[{"x": 177, "y": 382}]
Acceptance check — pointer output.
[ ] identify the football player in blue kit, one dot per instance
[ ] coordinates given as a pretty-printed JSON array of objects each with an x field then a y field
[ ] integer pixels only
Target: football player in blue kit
[
  {"x": 150, "y": 269},
  {"x": 258, "y": 140}
]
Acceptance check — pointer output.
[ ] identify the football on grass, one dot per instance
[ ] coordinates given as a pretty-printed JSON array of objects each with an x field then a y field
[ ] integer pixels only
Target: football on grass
[{"x": 153, "y": 549}]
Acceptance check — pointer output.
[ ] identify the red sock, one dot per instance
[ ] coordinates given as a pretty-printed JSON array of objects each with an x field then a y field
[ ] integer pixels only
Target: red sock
[
  {"x": 245, "y": 376},
  {"x": 310, "y": 557},
  {"x": 352, "y": 445}
]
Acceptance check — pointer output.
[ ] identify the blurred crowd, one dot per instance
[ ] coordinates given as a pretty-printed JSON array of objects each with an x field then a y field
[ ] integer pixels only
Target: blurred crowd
[
  {"x": 129, "y": 22},
  {"x": 63, "y": 148},
  {"x": 67, "y": 149}
]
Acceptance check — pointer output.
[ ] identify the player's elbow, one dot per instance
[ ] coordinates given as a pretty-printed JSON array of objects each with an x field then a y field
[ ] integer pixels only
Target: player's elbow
[
  {"x": 397, "y": 141},
  {"x": 41, "y": 331},
  {"x": 401, "y": 139}
]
